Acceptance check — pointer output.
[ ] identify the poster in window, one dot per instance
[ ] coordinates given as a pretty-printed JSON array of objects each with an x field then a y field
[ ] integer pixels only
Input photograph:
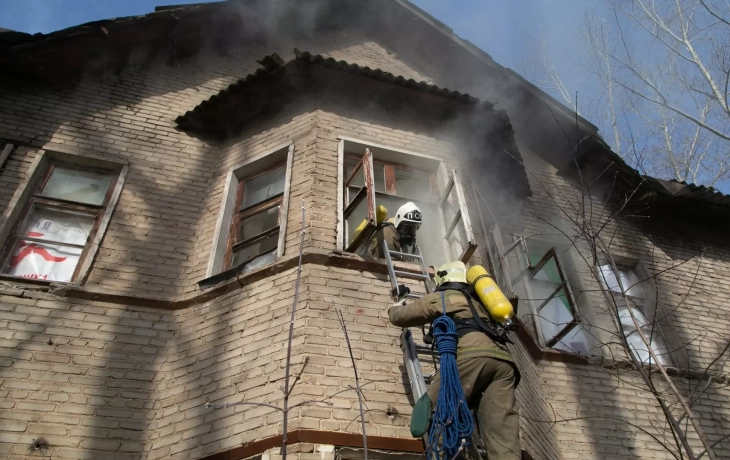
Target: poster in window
[{"x": 52, "y": 261}]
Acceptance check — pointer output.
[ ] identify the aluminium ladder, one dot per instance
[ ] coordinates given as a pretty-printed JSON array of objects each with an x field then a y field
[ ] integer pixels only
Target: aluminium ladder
[{"x": 408, "y": 345}]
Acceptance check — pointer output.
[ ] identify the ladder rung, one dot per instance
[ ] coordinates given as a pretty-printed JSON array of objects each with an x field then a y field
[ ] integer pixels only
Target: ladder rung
[
  {"x": 414, "y": 296},
  {"x": 404, "y": 254},
  {"x": 419, "y": 276}
]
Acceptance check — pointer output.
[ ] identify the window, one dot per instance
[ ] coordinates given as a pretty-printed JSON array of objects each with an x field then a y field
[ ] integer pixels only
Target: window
[
  {"x": 640, "y": 305},
  {"x": 391, "y": 179},
  {"x": 539, "y": 277},
  {"x": 254, "y": 234},
  {"x": 251, "y": 228},
  {"x": 51, "y": 239}
]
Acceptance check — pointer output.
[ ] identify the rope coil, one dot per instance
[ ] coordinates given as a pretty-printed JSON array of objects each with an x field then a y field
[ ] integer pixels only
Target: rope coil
[{"x": 452, "y": 423}]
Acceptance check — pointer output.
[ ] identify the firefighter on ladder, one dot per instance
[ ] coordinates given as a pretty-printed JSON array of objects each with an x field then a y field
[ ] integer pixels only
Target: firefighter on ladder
[
  {"x": 486, "y": 369},
  {"x": 399, "y": 232}
]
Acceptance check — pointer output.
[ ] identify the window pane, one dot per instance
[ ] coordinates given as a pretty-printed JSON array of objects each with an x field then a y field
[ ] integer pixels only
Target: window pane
[
  {"x": 627, "y": 322},
  {"x": 629, "y": 280},
  {"x": 548, "y": 273},
  {"x": 359, "y": 180},
  {"x": 50, "y": 262},
  {"x": 59, "y": 226},
  {"x": 260, "y": 247},
  {"x": 263, "y": 187},
  {"x": 411, "y": 184},
  {"x": 355, "y": 219},
  {"x": 76, "y": 185},
  {"x": 258, "y": 223},
  {"x": 554, "y": 316},
  {"x": 576, "y": 341},
  {"x": 260, "y": 261}
]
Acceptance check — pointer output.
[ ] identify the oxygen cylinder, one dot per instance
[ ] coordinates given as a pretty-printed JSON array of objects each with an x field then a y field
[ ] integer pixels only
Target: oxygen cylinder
[
  {"x": 380, "y": 214},
  {"x": 498, "y": 306}
]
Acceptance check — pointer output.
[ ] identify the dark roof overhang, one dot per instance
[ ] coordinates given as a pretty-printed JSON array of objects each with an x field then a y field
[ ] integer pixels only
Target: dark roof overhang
[{"x": 280, "y": 83}]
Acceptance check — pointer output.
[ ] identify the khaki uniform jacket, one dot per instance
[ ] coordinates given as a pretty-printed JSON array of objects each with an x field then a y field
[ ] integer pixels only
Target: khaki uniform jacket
[
  {"x": 386, "y": 233},
  {"x": 426, "y": 309}
]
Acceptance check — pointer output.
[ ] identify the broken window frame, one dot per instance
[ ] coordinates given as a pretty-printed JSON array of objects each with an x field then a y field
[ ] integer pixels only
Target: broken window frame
[
  {"x": 366, "y": 192},
  {"x": 461, "y": 216},
  {"x": 38, "y": 200},
  {"x": 252, "y": 210},
  {"x": 530, "y": 272}
]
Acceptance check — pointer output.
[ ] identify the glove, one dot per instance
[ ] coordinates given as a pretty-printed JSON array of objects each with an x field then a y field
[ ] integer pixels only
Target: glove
[{"x": 400, "y": 292}]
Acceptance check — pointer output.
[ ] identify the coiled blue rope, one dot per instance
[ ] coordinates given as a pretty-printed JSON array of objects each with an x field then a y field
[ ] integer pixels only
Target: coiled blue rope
[{"x": 452, "y": 421}]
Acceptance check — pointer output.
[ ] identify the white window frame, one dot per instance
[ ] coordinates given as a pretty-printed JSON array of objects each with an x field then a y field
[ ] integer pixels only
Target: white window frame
[
  {"x": 216, "y": 260},
  {"x": 73, "y": 157},
  {"x": 448, "y": 182}
]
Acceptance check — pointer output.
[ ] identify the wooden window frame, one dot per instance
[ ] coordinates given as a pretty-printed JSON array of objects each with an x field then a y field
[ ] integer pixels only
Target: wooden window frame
[
  {"x": 36, "y": 198},
  {"x": 389, "y": 177},
  {"x": 257, "y": 208}
]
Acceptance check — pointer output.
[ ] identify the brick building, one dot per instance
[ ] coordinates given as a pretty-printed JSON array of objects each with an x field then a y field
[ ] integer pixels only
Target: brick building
[{"x": 152, "y": 176}]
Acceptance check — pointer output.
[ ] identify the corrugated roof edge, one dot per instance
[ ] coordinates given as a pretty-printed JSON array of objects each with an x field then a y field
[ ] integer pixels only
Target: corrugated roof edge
[
  {"x": 273, "y": 62},
  {"x": 382, "y": 75},
  {"x": 270, "y": 64}
]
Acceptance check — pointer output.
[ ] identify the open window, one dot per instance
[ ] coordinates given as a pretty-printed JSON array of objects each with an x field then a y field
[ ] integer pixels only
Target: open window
[
  {"x": 458, "y": 234},
  {"x": 539, "y": 277},
  {"x": 391, "y": 178}
]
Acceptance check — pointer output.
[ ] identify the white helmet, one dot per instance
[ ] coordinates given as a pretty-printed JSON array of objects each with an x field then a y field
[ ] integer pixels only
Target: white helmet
[{"x": 408, "y": 214}]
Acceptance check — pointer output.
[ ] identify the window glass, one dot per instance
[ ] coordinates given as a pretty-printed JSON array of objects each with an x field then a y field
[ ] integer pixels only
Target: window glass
[
  {"x": 355, "y": 219},
  {"x": 263, "y": 187},
  {"x": 411, "y": 184},
  {"x": 59, "y": 226},
  {"x": 636, "y": 344},
  {"x": 629, "y": 280},
  {"x": 75, "y": 185},
  {"x": 260, "y": 247},
  {"x": 258, "y": 223},
  {"x": 575, "y": 341},
  {"x": 555, "y": 314}
]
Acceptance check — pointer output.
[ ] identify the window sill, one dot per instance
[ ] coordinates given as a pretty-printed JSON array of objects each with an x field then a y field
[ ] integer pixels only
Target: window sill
[{"x": 21, "y": 280}]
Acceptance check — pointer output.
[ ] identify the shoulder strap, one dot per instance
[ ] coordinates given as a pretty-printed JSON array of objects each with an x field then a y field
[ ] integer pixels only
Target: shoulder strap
[{"x": 495, "y": 331}]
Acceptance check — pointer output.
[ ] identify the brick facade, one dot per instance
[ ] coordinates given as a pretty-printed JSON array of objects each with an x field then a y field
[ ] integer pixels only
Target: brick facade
[{"x": 122, "y": 378}]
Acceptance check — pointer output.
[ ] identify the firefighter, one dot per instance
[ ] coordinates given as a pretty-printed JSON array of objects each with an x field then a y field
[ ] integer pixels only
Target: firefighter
[
  {"x": 399, "y": 232},
  {"x": 487, "y": 372}
]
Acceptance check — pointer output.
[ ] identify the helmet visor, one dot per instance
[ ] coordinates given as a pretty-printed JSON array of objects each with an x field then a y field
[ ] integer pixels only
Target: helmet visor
[{"x": 408, "y": 228}]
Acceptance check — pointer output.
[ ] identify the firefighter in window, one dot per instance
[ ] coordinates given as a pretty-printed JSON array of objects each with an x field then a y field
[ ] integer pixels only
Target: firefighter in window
[{"x": 399, "y": 232}]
